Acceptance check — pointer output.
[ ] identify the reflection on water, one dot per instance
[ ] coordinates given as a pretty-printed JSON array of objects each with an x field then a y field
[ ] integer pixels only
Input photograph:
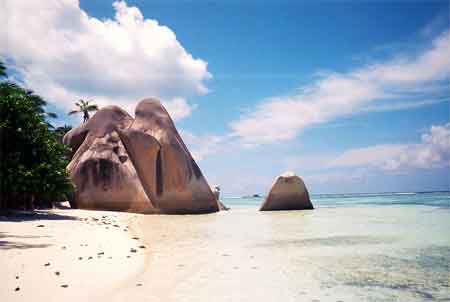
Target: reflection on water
[{"x": 344, "y": 253}]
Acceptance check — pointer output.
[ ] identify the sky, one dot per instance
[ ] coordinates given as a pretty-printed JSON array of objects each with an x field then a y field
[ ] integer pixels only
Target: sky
[{"x": 353, "y": 96}]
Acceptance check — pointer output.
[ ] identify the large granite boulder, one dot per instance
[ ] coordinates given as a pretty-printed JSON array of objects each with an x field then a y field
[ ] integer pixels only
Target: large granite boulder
[
  {"x": 138, "y": 165},
  {"x": 288, "y": 192}
]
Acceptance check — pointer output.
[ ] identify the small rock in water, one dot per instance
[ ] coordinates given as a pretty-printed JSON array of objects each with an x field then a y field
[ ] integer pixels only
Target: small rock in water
[
  {"x": 65, "y": 285},
  {"x": 17, "y": 289}
]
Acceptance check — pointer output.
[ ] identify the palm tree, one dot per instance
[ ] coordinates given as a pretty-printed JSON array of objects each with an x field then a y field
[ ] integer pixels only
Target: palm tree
[{"x": 84, "y": 107}]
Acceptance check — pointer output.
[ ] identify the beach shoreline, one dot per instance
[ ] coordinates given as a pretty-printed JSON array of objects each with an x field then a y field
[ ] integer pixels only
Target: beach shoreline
[{"x": 75, "y": 255}]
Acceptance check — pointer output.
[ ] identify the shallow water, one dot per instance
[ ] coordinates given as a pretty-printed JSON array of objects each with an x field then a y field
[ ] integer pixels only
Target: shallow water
[{"x": 367, "y": 249}]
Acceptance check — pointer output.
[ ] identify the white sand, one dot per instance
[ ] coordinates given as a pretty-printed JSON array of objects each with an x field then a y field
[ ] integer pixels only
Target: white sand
[{"x": 65, "y": 236}]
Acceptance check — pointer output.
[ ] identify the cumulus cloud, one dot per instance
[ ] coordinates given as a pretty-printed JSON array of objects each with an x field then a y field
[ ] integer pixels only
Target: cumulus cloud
[
  {"x": 204, "y": 145},
  {"x": 432, "y": 152},
  {"x": 406, "y": 78},
  {"x": 64, "y": 54}
]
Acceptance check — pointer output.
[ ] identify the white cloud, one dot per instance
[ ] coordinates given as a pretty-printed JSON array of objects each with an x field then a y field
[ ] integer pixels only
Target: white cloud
[
  {"x": 433, "y": 151},
  {"x": 202, "y": 145},
  {"x": 341, "y": 94},
  {"x": 64, "y": 54}
]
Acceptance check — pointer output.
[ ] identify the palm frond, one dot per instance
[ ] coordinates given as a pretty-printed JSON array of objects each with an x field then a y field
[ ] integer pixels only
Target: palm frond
[
  {"x": 51, "y": 114},
  {"x": 91, "y": 108},
  {"x": 74, "y": 111},
  {"x": 2, "y": 69}
]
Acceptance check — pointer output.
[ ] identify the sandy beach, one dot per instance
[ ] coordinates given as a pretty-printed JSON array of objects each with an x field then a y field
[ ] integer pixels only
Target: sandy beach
[
  {"x": 67, "y": 255},
  {"x": 346, "y": 253}
]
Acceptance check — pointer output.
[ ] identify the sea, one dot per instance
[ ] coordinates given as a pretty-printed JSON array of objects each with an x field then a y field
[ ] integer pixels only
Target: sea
[{"x": 351, "y": 247}]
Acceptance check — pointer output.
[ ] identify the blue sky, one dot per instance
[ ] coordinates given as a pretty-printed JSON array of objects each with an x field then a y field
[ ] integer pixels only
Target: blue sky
[{"x": 352, "y": 96}]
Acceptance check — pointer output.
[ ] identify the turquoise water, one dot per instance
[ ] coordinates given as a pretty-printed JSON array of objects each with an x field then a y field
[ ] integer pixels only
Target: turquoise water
[
  {"x": 350, "y": 248},
  {"x": 438, "y": 199}
]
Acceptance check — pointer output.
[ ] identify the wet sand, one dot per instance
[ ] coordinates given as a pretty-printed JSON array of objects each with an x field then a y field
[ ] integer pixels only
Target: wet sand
[{"x": 361, "y": 253}]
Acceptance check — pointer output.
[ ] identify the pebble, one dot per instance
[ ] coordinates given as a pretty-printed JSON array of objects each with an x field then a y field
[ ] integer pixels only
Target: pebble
[
  {"x": 41, "y": 226},
  {"x": 57, "y": 273},
  {"x": 65, "y": 286},
  {"x": 142, "y": 246},
  {"x": 47, "y": 264},
  {"x": 17, "y": 289},
  {"x": 133, "y": 250}
]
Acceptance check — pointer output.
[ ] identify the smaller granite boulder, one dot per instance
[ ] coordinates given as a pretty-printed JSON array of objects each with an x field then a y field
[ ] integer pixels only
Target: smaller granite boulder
[{"x": 288, "y": 192}]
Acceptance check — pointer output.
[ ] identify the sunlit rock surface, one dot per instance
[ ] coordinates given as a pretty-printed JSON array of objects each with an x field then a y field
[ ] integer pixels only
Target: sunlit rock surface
[
  {"x": 138, "y": 165},
  {"x": 288, "y": 192}
]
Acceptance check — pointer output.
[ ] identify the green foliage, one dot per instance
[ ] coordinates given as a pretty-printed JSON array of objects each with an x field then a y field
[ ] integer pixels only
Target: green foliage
[
  {"x": 84, "y": 107},
  {"x": 32, "y": 159},
  {"x": 61, "y": 131}
]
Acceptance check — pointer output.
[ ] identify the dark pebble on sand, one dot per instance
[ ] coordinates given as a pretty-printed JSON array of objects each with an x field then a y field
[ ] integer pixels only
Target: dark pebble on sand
[
  {"x": 17, "y": 277},
  {"x": 80, "y": 258},
  {"x": 17, "y": 289},
  {"x": 142, "y": 247},
  {"x": 47, "y": 264},
  {"x": 139, "y": 284},
  {"x": 89, "y": 258},
  {"x": 128, "y": 256},
  {"x": 57, "y": 273},
  {"x": 136, "y": 238},
  {"x": 41, "y": 226},
  {"x": 133, "y": 250},
  {"x": 65, "y": 286},
  {"x": 101, "y": 253}
]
